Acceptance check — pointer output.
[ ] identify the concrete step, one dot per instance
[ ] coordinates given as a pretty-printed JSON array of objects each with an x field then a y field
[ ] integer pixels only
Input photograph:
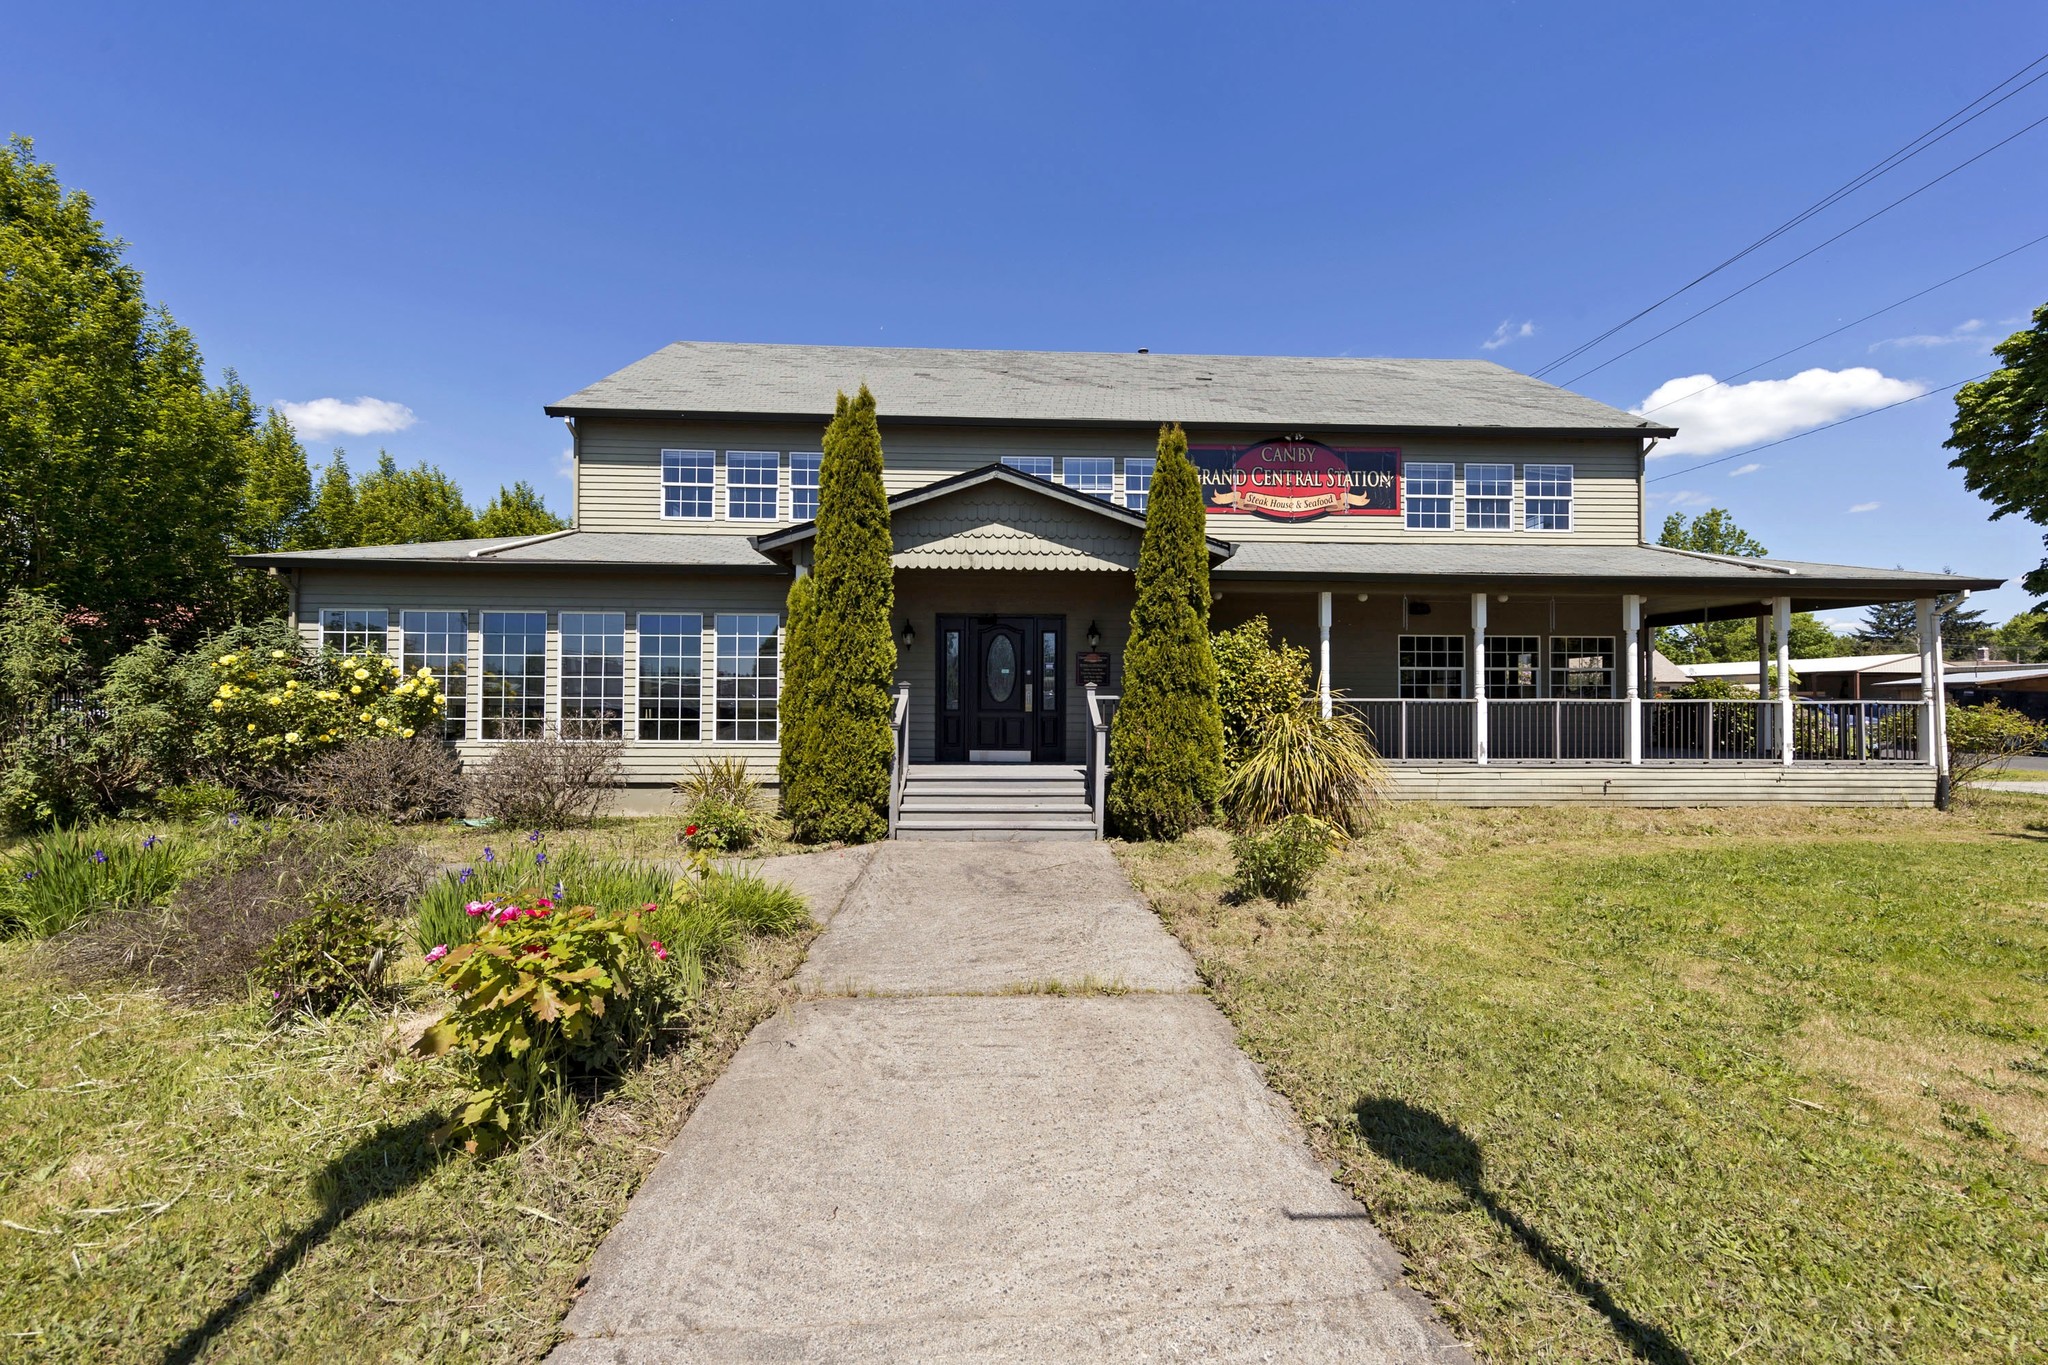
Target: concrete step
[
  {"x": 1008, "y": 836},
  {"x": 997, "y": 772},
  {"x": 998, "y": 791},
  {"x": 993, "y": 805},
  {"x": 994, "y": 820}
]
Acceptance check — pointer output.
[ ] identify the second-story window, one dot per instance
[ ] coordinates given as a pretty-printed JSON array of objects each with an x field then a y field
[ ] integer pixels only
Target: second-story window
[
  {"x": 753, "y": 485},
  {"x": 1138, "y": 482},
  {"x": 1037, "y": 466},
  {"x": 1547, "y": 497},
  {"x": 686, "y": 482},
  {"x": 803, "y": 487},
  {"x": 1489, "y": 497},
  {"x": 1095, "y": 477},
  {"x": 1429, "y": 496}
]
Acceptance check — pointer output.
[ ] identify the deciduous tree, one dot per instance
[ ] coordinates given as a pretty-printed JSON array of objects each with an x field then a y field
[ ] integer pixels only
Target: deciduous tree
[
  {"x": 518, "y": 511},
  {"x": 404, "y": 506},
  {"x": 2000, "y": 434}
]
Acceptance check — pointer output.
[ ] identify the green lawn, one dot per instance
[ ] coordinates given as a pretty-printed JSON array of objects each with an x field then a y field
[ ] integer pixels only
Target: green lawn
[{"x": 1762, "y": 1084}]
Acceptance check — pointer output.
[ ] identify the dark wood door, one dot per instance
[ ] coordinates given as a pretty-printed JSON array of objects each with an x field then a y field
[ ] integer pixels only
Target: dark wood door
[{"x": 1000, "y": 696}]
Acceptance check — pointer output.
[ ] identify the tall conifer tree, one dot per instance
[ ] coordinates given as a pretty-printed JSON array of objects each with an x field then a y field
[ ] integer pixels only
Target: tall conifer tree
[
  {"x": 795, "y": 763},
  {"x": 843, "y": 747},
  {"x": 1166, "y": 738}
]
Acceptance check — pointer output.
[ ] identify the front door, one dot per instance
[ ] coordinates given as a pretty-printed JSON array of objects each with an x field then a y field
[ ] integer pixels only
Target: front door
[{"x": 1000, "y": 698}]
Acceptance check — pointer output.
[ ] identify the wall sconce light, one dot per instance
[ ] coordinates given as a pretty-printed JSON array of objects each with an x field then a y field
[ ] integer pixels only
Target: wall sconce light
[
  {"x": 909, "y": 636},
  {"x": 1094, "y": 635}
]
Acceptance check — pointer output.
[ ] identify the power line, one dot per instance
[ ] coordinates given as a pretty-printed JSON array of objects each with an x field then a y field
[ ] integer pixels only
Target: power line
[
  {"x": 1738, "y": 293},
  {"x": 1900, "y": 303},
  {"x": 1888, "y": 164},
  {"x": 1724, "y": 459}
]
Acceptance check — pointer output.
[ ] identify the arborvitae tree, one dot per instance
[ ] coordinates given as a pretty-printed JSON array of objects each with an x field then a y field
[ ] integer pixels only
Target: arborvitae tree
[
  {"x": 333, "y": 524},
  {"x": 796, "y": 762},
  {"x": 843, "y": 752},
  {"x": 1166, "y": 738},
  {"x": 518, "y": 511},
  {"x": 407, "y": 506}
]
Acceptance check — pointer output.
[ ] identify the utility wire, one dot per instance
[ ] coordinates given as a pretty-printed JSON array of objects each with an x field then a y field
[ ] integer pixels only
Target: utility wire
[
  {"x": 1888, "y": 164},
  {"x": 1846, "y": 326},
  {"x": 1724, "y": 459},
  {"x": 1738, "y": 293}
]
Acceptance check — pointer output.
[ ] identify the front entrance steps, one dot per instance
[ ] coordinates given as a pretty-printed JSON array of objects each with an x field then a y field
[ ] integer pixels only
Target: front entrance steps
[{"x": 1006, "y": 801}]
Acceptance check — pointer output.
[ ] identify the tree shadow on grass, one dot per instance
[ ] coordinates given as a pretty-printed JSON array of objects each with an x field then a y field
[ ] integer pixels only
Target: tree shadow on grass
[
  {"x": 387, "y": 1162},
  {"x": 1429, "y": 1145}
]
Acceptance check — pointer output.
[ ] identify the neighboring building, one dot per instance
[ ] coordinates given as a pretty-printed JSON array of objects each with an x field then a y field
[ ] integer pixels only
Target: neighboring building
[{"x": 1460, "y": 544}]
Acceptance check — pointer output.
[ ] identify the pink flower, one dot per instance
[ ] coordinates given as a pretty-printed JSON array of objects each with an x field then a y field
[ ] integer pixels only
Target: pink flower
[
  {"x": 477, "y": 907},
  {"x": 660, "y": 953},
  {"x": 650, "y": 907},
  {"x": 544, "y": 903},
  {"x": 439, "y": 951},
  {"x": 689, "y": 830}
]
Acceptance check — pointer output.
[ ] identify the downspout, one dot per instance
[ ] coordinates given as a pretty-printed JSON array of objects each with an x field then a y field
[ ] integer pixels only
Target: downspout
[{"x": 575, "y": 466}]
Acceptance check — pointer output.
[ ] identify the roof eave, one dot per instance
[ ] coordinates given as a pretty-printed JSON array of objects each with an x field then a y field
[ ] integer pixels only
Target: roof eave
[{"x": 286, "y": 561}]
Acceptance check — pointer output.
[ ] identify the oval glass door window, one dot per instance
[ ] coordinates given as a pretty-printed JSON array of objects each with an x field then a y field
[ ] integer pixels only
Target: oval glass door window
[{"x": 1002, "y": 669}]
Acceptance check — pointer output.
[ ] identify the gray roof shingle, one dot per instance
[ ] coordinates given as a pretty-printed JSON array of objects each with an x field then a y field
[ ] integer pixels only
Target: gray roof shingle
[
  {"x": 701, "y": 378},
  {"x": 577, "y": 549}
]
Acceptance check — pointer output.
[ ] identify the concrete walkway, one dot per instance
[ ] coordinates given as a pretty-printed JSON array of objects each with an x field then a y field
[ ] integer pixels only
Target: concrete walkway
[{"x": 936, "y": 1158}]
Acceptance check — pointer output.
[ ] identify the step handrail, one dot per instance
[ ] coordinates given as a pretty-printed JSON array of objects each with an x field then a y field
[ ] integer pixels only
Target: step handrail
[
  {"x": 1098, "y": 754},
  {"x": 899, "y": 755}
]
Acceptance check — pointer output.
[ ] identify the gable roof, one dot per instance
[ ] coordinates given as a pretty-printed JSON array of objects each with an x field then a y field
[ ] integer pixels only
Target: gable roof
[
  {"x": 1092, "y": 388},
  {"x": 570, "y": 550}
]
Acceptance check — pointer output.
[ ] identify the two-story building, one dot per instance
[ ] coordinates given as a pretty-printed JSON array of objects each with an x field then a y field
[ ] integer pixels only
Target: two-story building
[{"x": 1461, "y": 547}]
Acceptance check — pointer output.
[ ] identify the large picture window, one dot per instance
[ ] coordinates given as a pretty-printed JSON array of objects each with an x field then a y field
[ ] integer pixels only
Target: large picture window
[
  {"x": 354, "y": 630},
  {"x": 747, "y": 680},
  {"x": 1095, "y": 477},
  {"x": 1582, "y": 666},
  {"x": 1138, "y": 482},
  {"x": 1514, "y": 666},
  {"x": 686, "y": 482},
  {"x": 1432, "y": 666},
  {"x": 440, "y": 640},
  {"x": 803, "y": 487},
  {"x": 514, "y": 694},
  {"x": 1428, "y": 496},
  {"x": 593, "y": 674},
  {"x": 1547, "y": 497},
  {"x": 671, "y": 675},
  {"x": 1489, "y": 497},
  {"x": 753, "y": 485},
  {"x": 1037, "y": 466}
]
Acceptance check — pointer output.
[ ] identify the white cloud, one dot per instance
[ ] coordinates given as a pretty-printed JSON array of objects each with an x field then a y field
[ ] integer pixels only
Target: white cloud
[
  {"x": 1684, "y": 497},
  {"x": 1740, "y": 470},
  {"x": 1971, "y": 331},
  {"x": 1715, "y": 417},
  {"x": 1509, "y": 330},
  {"x": 324, "y": 417},
  {"x": 1866, "y": 507},
  {"x": 565, "y": 468}
]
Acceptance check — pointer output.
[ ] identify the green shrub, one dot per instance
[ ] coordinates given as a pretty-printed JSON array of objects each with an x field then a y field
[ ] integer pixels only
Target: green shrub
[
  {"x": 273, "y": 710},
  {"x": 1983, "y": 739},
  {"x": 321, "y": 961},
  {"x": 1279, "y": 862},
  {"x": 722, "y": 779},
  {"x": 718, "y": 825},
  {"x": 196, "y": 800},
  {"x": 1166, "y": 735},
  {"x": 55, "y": 881},
  {"x": 1306, "y": 763},
  {"x": 1255, "y": 680}
]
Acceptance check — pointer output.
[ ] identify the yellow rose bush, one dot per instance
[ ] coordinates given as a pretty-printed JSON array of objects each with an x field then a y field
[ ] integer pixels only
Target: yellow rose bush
[{"x": 275, "y": 710}]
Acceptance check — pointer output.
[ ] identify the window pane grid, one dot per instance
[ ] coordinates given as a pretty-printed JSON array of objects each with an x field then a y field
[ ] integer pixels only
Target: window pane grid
[
  {"x": 686, "y": 481},
  {"x": 747, "y": 682},
  {"x": 355, "y": 630},
  {"x": 803, "y": 487},
  {"x": 515, "y": 674},
  {"x": 1582, "y": 666},
  {"x": 1037, "y": 466},
  {"x": 440, "y": 640},
  {"x": 593, "y": 674},
  {"x": 1547, "y": 497},
  {"x": 1429, "y": 496},
  {"x": 1138, "y": 483},
  {"x": 1514, "y": 665},
  {"x": 1095, "y": 477},
  {"x": 671, "y": 676},
  {"x": 1489, "y": 497},
  {"x": 753, "y": 484},
  {"x": 1432, "y": 666}
]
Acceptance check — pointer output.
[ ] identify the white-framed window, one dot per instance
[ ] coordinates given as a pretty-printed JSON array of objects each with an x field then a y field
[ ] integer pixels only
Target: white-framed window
[
  {"x": 1037, "y": 466},
  {"x": 515, "y": 675},
  {"x": 1428, "y": 496},
  {"x": 440, "y": 640},
  {"x": 1432, "y": 666},
  {"x": 1138, "y": 482},
  {"x": 803, "y": 486},
  {"x": 1547, "y": 497},
  {"x": 753, "y": 485},
  {"x": 593, "y": 674},
  {"x": 1514, "y": 666},
  {"x": 1489, "y": 497},
  {"x": 1582, "y": 665},
  {"x": 1091, "y": 475},
  {"x": 671, "y": 695},
  {"x": 748, "y": 677},
  {"x": 687, "y": 478},
  {"x": 354, "y": 630}
]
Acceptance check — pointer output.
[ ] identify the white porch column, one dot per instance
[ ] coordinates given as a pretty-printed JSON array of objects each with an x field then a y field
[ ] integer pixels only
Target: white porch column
[
  {"x": 1323, "y": 623},
  {"x": 1632, "y": 626},
  {"x": 1784, "y": 633},
  {"x": 1923, "y": 627},
  {"x": 1479, "y": 677},
  {"x": 1940, "y": 694}
]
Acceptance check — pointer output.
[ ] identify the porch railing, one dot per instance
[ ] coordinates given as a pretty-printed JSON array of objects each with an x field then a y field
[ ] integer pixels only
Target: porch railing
[
  {"x": 1100, "y": 709},
  {"x": 1418, "y": 730},
  {"x": 899, "y": 755},
  {"x": 1556, "y": 730}
]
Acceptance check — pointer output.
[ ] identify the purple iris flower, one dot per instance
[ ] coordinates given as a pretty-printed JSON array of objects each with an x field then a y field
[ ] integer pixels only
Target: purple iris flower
[
  {"x": 234, "y": 822},
  {"x": 558, "y": 890},
  {"x": 489, "y": 856},
  {"x": 540, "y": 860},
  {"x": 151, "y": 842},
  {"x": 463, "y": 880},
  {"x": 98, "y": 856},
  {"x": 533, "y": 838}
]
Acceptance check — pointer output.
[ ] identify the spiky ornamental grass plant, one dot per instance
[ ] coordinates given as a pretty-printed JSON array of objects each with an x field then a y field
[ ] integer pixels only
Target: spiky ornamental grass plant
[
  {"x": 1166, "y": 738},
  {"x": 842, "y": 753}
]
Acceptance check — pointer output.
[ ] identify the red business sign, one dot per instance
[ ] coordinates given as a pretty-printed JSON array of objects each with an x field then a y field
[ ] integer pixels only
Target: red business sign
[{"x": 1289, "y": 480}]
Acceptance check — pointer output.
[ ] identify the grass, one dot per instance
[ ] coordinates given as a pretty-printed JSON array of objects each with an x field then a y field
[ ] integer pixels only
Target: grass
[
  {"x": 1679, "y": 1085},
  {"x": 49, "y": 884},
  {"x": 189, "y": 1184}
]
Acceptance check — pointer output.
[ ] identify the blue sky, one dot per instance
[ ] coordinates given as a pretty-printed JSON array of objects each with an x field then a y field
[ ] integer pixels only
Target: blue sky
[{"x": 468, "y": 211}]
